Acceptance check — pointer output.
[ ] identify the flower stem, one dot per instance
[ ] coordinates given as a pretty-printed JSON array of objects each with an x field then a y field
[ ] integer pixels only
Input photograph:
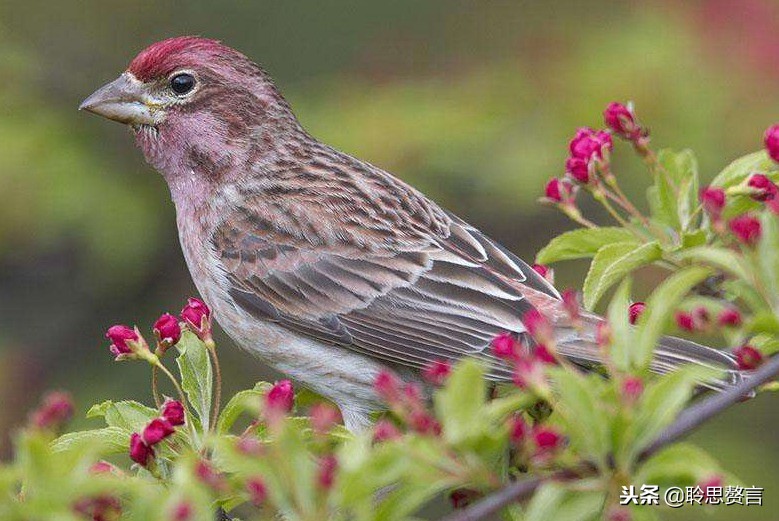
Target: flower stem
[
  {"x": 599, "y": 195},
  {"x": 155, "y": 386},
  {"x": 211, "y": 347}
]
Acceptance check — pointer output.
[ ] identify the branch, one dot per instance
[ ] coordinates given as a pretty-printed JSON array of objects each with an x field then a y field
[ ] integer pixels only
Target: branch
[{"x": 692, "y": 418}]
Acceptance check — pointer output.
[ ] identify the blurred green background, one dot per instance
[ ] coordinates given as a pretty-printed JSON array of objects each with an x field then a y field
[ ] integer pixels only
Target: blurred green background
[{"x": 473, "y": 102}]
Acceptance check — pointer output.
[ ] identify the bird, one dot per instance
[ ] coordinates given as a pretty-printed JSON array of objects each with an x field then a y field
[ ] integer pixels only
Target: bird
[{"x": 326, "y": 267}]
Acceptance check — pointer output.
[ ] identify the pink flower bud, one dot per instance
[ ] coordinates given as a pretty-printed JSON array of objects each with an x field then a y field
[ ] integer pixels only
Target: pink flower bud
[
  {"x": 139, "y": 451},
  {"x": 385, "y": 430},
  {"x": 571, "y": 304},
  {"x": 328, "y": 466},
  {"x": 634, "y": 311},
  {"x": 579, "y": 169},
  {"x": 685, "y": 321},
  {"x": 518, "y": 430},
  {"x": 198, "y": 317},
  {"x": 546, "y": 438},
  {"x": 729, "y": 317},
  {"x": 712, "y": 488},
  {"x": 157, "y": 430},
  {"x": 544, "y": 355},
  {"x": 545, "y": 271},
  {"x": 56, "y": 409},
  {"x": 324, "y": 417},
  {"x": 771, "y": 140},
  {"x": 713, "y": 201},
  {"x": 182, "y": 511},
  {"x": 746, "y": 228},
  {"x": 422, "y": 422},
  {"x": 559, "y": 190},
  {"x": 280, "y": 399},
  {"x": 257, "y": 490},
  {"x": 748, "y": 357},
  {"x": 621, "y": 120},
  {"x": 538, "y": 326},
  {"x": 764, "y": 188},
  {"x": 123, "y": 340},
  {"x": 167, "y": 329},
  {"x": 209, "y": 476},
  {"x": 437, "y": 372},
  {"x": 588, "y": 144},
  {"x": 632, "y": 389},
  {"x": 102, "y": 467},
  {"x": 388, "y": 386},
  {"x": 505, "y": 346},
  {"x": 463, "y": 497},
  {"x": 173, "y": 412}
]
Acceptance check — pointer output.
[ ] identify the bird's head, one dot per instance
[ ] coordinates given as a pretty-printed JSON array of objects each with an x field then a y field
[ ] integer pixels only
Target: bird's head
[{"x": 192, "y": 100}]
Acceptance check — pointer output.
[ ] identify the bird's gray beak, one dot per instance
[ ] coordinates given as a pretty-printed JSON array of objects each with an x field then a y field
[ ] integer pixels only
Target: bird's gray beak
[{"x": 122, "y": 100}]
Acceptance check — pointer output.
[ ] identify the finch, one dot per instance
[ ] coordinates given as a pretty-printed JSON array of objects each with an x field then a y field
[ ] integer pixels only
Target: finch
[{"x": 328, "y": 268}]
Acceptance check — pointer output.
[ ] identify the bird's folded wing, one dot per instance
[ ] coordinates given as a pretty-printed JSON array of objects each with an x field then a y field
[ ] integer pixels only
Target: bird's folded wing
[{"x": 444, "y": 298}]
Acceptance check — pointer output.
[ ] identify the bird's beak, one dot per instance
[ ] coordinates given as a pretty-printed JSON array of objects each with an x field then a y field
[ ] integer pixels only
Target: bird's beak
[{"x": 122, "y": 100}]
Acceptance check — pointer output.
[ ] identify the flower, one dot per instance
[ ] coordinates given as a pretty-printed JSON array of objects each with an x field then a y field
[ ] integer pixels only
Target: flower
[
  {"x": 139, "y": 451},
  {"x": 571, "y": 304},
  {"x": 546, "y": 438},
  {"x": 124, "y": 341},
  {"x": 157, "y": 430},
  {"x": 545, "y": 271},
  {"x": 729, "y": 317},
  {"x": 208, "y": 475},
  {"x": 579, "y": 169},
  {"x": 746, "y": 228},
  {"x": 685, "y": 321},
  {"x": 634, "y": 311},
  {"x": 632, "y": 388},
  {"x": 538, "y": 326},
  {"x": 385, "y": 430},
  {"x": 543, "y": 354},
  {"x": 56, "y": 409},
  {"x": 387, "y": 386},
  {"x": 748, "y": 357},
  {"x": 437, "y": 372},
  {"x": 518, "y": 430},
  {"x": 763, "y": 188},
  {"x": 422, "y": 422},
  {"x": 249, "y": 445},
  {"x": 197, "y": 315},
  {"x": 588, "y": 143},
  {"x": 323, "y": 417},
  {"x": 713, "y": 201},
  {"x": 326, "y": 473},
  {"x": 505, "y": 346},
  {"x": 559, "y": 190},
  {"x": 173, "y": 412},
  {"x": 279, "y": 399},
  {"x": 771, "y": 140},
  {"x": 103, "y": 467},
  {"x": 712, "y": 488},
  {"x": 167, "y": 329},
  {"x": 257, "y": 490},
  {"x": 621, "y": 120},
  {"x": 182, "y": 511}
]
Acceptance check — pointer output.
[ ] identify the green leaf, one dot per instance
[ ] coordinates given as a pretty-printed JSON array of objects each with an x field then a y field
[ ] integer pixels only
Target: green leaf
[
  {"x": 674, "y": 196},
  {"x": 720, "y": 258},
  {"x": 581, "y": 243},
  {"x": 621, "y": 330},
  {"x": 196, "y": 375},
  {"x": 739, "y": 169},
  {"x": 681, "y": 464},
  {"x": 659, "y": 308},
  {"x": 614, "y": 261},
  {"x": 460, "y": 404},
  {"x": 111, "y": 440},
  {"x": 768, "y": 254},
  {"x": 581, "y": 409},
  {"x": 553, "y": 502},
  {"x": 244, "y": 401},
  {"x": 128, "y": 415}
]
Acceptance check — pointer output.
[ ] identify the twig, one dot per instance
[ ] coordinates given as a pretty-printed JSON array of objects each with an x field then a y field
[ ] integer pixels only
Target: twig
[{"x": 692, "y": 418}]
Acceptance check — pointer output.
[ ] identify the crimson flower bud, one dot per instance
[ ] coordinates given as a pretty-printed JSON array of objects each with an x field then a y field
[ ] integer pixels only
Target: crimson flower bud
[
  {"x": 685, "y": 321},
  {"x": 518, "y": 430},
  {"x": 559, "y": 191},
  {"x": 546, "y": 438},
  {"x": 712, "y": 488},
  {"x": 197, "y": 315},
  {"x": 713, "y": 201},
  {"x": 182, "y": 511},
  {"x": 587, "y": 143},
  {"x": 124, "y": 341},
  {"x": 463, "y": 497},
  {"x": 387, "y": 386},
  {"x": 634, "y": 311},
  {"x": 632, "y": 389},
  {"x": 621, "y": 120},
  {"x": 748, "y": 357},
  {"x": 139, "y": 451},
  {"x": 538, "y": 326},
  {"x": 771, "y": 140},
  {"x": 764, "y": 189},
  {"x": 422, "y": 422},
  {"x": 328, "y": 466},
  {"x": 157, "y": 430},
  {"x": 544, "y": 355},
  {"x": 56, "y": 409},
  {"x": 323, "y": 417},
  {"x": 579, "y": 169},
  {"x": 385, "y": 430},
  {"x": 505, "y": 346},
  {"x": 173, "y": 412},
  {"x": 729, "y": 317},
  {"x": 279, "y": 399},
  {"x": 746, "y": 228},
  {"x": 257, "y": 490},
  {"x": 437, "y": 372},
  {"x": 571, "y": 304},
  {"x": 209, "y": 476},
  {"x": 167, "y": 329},
  {"x": 545, "y": 271}
]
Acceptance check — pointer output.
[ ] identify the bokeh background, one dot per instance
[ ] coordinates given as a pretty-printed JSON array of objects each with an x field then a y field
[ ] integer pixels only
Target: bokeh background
[{"x": 473, "y": 102}]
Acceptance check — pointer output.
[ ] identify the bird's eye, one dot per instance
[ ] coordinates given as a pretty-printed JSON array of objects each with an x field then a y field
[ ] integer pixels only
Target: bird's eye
[{"x": 182, "y": 83}]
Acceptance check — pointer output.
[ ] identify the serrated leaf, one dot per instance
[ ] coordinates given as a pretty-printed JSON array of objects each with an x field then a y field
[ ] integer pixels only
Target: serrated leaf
[
  {"x": 659, "y": 308},
  {"x": 196, "y": 375},
  {"x": 581, "y": 243},
  {"x": 720, "y": 258},
  {"x": 621, "y": 330},
  {"x": 681, "y": 464},
  {"x": 243, "y": 401},
  {"x": 111, "y": 440},
  {"x": 129, "y": 415},
  {"x": 460, "y": 403},
  {"x": 768, "y": 254},
  {"x": 674, "y": 196},
  {"x": 553, "y": 502},
  {"x": 739, "y": 169},
  {"x": 611, "y": 263}
]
